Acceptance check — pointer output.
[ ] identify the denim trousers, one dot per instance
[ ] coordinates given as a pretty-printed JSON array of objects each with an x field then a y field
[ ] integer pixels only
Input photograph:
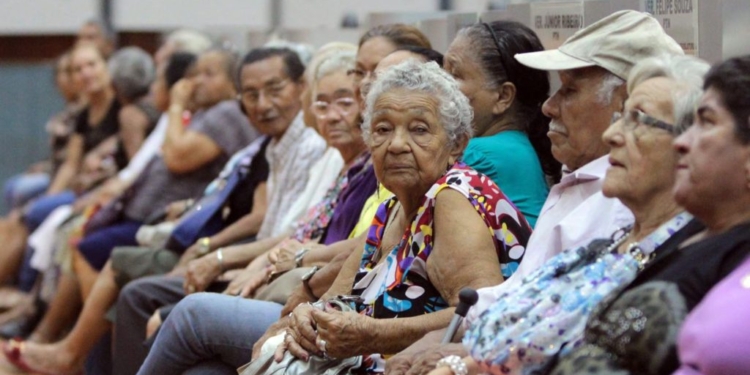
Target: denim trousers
[{"x": 209, "y": 333}]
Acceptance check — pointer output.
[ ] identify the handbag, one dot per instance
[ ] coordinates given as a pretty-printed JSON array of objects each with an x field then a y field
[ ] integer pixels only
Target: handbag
[
  {"x": 527, "y": 327},
  {"x": 291, "y": 365},
  {"x": 205, "y": 218},
  {"x": 105, "y": 216}
]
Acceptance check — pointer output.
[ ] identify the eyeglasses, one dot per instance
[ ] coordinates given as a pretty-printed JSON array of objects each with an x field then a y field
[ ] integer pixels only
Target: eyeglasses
[
  {"x": 272, "y": 91},
  {"x": 344, "y": 106},
  {"x": 635, "y": 117}
]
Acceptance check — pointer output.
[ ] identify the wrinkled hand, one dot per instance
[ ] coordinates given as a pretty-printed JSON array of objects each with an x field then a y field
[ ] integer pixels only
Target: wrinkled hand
[
  {"x": 301, "y": 335},
  {"x": 181, "y": 92},
  {"x": 201, "y": 273},
  {"x": 189, "y": 255},
  {"x": 424, "y": 361},
  {"x": 273, "y": 330},
  {"x": 345, "y": 333},
  {"x": 298, "y": 296},
  {"x": 285, "y": 251},
  {"x": 230, "y": 275},
  {"x": 247, "y": 282}
]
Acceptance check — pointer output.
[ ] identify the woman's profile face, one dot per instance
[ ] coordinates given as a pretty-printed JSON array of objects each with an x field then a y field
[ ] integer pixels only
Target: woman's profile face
[
  {"x": 369, "y": 55},
  {"x": 337, "y": 110},
  {"x": 713, "y": 163},
  {"x": 462, "y": 63},
  {"x": 64, "y": 80},
  {"x": 410, "y": 148},
  {"x": 642, "y": 161},
  {"x": 90, "y": 70}
]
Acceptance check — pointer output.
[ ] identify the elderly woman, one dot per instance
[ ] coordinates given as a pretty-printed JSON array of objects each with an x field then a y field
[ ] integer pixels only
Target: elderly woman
[
  {"x": 523, "y": 330},
  {"x": 96, "y": 123},
  {"x": 133, "y": 71},
  {"x": 716, "y": 334},
  {"x": 417, "y": 124},
  {"x": 634, "y": 331},
  {"x": 330, "y": 221},
  {"x": 510, "y": 143}
]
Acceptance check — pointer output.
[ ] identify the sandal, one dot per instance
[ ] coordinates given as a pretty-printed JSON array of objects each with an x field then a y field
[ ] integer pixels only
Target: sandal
[{"x": 13, "y": 351}]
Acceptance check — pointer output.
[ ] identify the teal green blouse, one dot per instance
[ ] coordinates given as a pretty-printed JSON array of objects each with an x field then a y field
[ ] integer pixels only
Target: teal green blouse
[{"x": 509, "y": 159}]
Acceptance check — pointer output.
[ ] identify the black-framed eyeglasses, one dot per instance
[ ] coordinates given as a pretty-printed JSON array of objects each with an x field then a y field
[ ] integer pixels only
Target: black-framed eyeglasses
[{"x": 635, "y": 117}]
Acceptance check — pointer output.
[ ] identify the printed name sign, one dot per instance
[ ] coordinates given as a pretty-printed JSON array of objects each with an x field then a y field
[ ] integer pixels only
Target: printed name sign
[
  {"x": 679, "y": 18},
  {"x": 556, "y": 22}
]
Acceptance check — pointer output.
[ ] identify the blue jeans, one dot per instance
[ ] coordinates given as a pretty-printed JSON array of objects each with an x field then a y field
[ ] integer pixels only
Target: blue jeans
[
  {"x": 211, "y": 332},
  {"x": 40, "y": 208},
  {"x": 21, "y": 188}
]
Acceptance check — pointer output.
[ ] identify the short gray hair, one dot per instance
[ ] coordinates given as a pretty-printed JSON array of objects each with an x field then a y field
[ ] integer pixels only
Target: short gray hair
[
  {"x": 685, "y": 69},
  {"x": 607, "y": 87},
  {"x": 455, "y": 111},
  {"x": 335, "y": 62},
  {"x": 132, "y": 71},
  {"x": 189, "y": 40}
]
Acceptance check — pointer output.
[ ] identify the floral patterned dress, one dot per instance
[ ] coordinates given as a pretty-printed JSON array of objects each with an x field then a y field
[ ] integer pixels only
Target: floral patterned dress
[
  {"x": 317, "y": 218},
  {"x": 399, "y": 286}
]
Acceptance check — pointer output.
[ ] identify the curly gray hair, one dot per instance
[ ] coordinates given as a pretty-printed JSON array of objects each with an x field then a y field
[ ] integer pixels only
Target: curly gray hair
[
  {"x": 455, "y": 111},
  {"x": 132, "y": 71},
  {"x": 685, "y": 69}
]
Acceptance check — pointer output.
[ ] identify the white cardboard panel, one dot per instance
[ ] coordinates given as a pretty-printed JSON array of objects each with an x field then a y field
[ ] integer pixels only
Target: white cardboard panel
[
  {"x": 133, "y": 15},
  {"x": 45, "y": 16},
  {"x": 297, "y": 14},
  {"x": 735, "y": 31}
]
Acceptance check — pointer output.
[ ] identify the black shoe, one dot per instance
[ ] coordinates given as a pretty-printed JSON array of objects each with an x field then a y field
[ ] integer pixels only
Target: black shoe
[{"x": 23, "y": 326}]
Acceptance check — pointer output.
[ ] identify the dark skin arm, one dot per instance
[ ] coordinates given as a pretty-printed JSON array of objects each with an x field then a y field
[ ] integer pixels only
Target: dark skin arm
[
  {"x": 320, "y": 283},
  {"x": 456, "y": 262}
]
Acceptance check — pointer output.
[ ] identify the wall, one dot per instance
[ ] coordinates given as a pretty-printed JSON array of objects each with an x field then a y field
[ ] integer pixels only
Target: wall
[
  {"x": 28, "y": 98},
  {"x": 45, "y": 16}
]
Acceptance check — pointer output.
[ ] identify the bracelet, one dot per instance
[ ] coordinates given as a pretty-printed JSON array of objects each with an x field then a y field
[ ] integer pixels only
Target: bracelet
[
  {"x": 220, "y": 257},
  {"x": 455, "y": 363}
]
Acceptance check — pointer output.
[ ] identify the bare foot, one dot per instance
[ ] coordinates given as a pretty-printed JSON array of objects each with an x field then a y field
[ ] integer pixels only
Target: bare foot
[{"x": 50, "y": 359}]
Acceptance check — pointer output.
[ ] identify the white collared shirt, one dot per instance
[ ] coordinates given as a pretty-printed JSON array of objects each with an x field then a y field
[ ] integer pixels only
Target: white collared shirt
[
  {"x": 574, "y": 213},
  {"x": 289, "y": 159}
]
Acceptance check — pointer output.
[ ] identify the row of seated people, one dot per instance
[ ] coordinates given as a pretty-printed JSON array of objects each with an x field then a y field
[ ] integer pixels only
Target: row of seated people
[{"x": 379, "y": 180}]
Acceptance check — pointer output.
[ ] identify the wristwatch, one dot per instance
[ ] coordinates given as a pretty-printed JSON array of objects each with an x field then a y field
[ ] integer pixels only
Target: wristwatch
[
  {"x": 204, "y": 246},
  {"x": 306, "y": 283},
  {"x": 299, "y": 255},
  {"x": 455, "y": 363}
]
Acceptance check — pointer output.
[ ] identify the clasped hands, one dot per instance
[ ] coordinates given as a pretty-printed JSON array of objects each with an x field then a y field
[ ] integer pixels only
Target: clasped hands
[{"x": 327, "y": 333}]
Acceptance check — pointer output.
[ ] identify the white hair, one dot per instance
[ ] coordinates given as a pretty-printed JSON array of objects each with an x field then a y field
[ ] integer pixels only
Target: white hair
[
  {"x": 685, "y": 69},
  {"x": 132, "y": 71},
  {"x": 322, "y": 54},
  {"x": 455, "y": 111},
  {"x": 607, "y": 87},
  {"x": 335, "y": 62},
  {"x": 188, "y": 40}
]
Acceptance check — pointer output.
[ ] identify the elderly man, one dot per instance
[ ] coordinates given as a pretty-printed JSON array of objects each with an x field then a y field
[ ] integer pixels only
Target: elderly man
[
  {"x": 593, "y": 66},
  {"x": 271, "y": 83}
]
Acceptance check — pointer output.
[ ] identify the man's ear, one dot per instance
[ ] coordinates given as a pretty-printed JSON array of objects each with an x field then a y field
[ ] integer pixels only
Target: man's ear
[{"x": 506, "y": 95}]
